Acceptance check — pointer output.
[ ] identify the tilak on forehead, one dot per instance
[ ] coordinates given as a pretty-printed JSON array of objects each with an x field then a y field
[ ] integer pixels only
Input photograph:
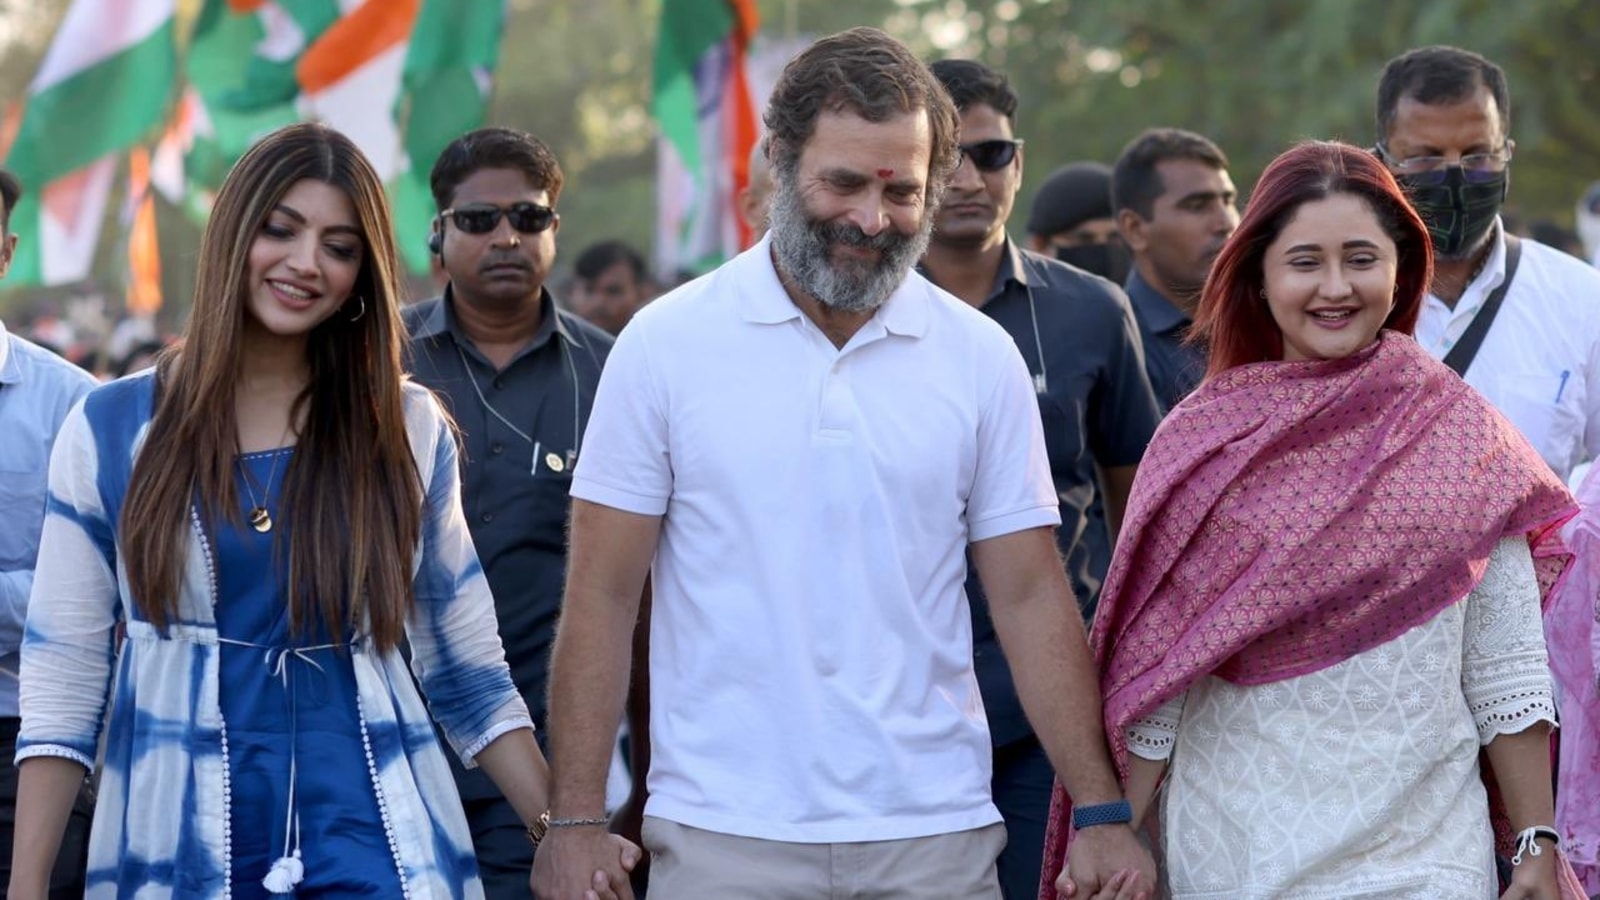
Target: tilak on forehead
[{"x": 885, "y": 173}]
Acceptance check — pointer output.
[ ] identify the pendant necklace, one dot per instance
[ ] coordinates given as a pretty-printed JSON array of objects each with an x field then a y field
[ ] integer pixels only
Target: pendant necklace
[{"x": 260, "y": 518}]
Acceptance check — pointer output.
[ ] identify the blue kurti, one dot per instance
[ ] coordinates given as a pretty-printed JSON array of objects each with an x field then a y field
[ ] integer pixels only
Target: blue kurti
[
  {"x": 286, "y": 709},
  {"x": 165, "y": 825}
]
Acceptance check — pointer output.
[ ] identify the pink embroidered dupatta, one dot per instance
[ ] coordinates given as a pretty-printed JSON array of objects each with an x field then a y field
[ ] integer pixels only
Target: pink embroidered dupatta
[{"x": 1290, "y": 515}]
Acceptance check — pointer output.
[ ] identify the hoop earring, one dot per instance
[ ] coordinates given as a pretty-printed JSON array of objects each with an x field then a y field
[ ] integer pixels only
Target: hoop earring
[{"x": 363, "y": 301}]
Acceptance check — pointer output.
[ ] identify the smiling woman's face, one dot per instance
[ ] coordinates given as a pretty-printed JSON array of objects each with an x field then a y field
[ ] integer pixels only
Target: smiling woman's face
[
  {"x": 1330, "y": 278},
  {"x": 305, "y": 260}
]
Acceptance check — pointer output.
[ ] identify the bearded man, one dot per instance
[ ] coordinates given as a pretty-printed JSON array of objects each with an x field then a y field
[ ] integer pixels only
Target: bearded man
[{"x": 799, "y": 448}]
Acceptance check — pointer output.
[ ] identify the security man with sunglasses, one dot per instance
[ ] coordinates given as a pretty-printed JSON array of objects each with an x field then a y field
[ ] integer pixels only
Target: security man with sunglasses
[
  {"x": 519, "y": 376},
  {"x": 1078, "y": 337},
  {"x": 1519, "y": 319}
]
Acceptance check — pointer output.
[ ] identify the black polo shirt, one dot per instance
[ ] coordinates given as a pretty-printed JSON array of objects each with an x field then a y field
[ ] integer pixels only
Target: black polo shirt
[
  {"x": 1175, "y": 366},
  {"x": 1097, "y": 408},
  {"x": 514, "y": 495}
]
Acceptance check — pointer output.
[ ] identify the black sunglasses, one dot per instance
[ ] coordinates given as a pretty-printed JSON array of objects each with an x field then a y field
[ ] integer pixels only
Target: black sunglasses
[
  {"x": 991, "y": 156},
  {"x": 482, "y": 218}
]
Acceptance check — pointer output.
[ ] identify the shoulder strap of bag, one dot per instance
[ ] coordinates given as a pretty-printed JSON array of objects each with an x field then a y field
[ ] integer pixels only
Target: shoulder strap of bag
[{"x": 1461, "y": 355}]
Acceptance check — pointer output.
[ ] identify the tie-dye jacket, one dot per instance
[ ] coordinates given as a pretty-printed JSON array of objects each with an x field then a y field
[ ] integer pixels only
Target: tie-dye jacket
[{"x": 161, "y": 829}]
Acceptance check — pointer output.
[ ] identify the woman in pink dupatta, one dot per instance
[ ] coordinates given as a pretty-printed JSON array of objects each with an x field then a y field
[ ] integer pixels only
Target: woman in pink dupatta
[{"x": 1326, "y": 595}]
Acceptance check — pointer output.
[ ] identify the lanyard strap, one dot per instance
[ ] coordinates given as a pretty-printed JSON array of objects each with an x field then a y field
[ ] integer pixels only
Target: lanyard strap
[{"x": 1462, "y": 354}]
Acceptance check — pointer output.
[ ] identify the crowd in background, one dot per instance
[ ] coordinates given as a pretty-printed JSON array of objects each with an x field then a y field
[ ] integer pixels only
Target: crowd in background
[{"x": 1315, "y": 534}]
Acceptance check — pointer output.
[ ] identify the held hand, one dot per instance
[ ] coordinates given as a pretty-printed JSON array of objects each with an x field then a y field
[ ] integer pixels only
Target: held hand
[
  {"x": 628, "y": 822},
  {"x": 628, "y": 853},
  {"x": 1123, "y": 886},
  {"x": 1098, "y": 855},
  {"x": 583, "y": 864},
  {"x": 1535, "y": 877}
]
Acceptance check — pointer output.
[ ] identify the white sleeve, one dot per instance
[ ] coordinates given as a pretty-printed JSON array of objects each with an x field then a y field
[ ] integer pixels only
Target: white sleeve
[
  {"x": 1011, "y": 488},
  {"x": 1152, "y": 737},
  {"x": 624, "y": 461},
  {"x": 1505, "y": 670},
  {"x": 67, "y": 650}
]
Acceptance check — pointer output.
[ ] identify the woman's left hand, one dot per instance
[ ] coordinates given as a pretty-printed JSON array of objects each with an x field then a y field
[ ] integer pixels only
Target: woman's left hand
[
  {"x": 1535, "y": 877},
  {"x": 629, "y": 851}
]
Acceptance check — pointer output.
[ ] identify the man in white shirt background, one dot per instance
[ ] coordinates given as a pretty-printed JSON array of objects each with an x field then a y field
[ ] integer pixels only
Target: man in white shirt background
[
  {"x": 37, "y": 389},
  {"x": 1444, "y": 120}
]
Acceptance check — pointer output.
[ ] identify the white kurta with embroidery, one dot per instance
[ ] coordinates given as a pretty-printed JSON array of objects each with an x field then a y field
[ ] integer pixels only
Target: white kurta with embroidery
[{"x": 1359, "y": 780}]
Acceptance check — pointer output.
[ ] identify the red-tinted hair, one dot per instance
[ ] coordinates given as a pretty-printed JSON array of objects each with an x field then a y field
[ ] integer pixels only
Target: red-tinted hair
[{"x": 1233, "y": 317}]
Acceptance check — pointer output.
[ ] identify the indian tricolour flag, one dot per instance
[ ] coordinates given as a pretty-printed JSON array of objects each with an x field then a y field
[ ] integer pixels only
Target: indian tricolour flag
[
  {"x": 105, "y": 84},
  {"x": 401, "y": 78},
  {"x": 708, "y": 126}
]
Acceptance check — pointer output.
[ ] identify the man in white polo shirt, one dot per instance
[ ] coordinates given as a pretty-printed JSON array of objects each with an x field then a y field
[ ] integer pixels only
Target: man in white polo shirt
[
  {"x": 805, "y": 442},
  {"x": 1444, "y": 115}
]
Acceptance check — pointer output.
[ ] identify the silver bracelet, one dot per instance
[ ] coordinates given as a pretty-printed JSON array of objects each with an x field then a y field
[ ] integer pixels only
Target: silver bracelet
[{"x": 590, "y": 822}]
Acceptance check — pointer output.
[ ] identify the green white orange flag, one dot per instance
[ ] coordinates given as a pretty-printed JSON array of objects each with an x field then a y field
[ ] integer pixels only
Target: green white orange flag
[
  {"x": 703, "y": 107},
  {"x": 402, "y": 78},
  {"x": 105, "y": 84}
]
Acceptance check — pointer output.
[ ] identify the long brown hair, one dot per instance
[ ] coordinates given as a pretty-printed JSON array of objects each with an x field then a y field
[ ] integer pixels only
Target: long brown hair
[
  {"x": 352, "y": 489},
  {"x": 1234, "y": 319}
]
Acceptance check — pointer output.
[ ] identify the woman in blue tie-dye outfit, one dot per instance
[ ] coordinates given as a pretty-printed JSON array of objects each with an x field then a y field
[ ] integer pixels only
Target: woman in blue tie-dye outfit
[{"x": 267, "y": 516}]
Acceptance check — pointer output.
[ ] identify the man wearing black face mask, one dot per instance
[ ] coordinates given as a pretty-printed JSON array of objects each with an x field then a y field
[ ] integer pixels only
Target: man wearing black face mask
[
  {"x": 1079, "y": 339},
  {"x": 1519, "y": 319},
  {"x": 1071, "y": 220}
]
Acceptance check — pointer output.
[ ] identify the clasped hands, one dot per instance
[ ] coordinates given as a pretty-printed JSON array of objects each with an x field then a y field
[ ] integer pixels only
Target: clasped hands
[
  {"x": 1107, "y": 862},
  {"x": 586, "y": 863}
]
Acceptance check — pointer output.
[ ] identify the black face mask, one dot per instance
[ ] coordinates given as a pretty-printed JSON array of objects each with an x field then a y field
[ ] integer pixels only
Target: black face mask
[
  {"x": 1458, "y": 210},
  {"x": 1109, "y": 261}
]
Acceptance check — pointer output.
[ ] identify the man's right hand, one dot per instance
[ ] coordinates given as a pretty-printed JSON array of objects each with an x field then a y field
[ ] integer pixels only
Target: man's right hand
[{"x": 582, "y": 864}]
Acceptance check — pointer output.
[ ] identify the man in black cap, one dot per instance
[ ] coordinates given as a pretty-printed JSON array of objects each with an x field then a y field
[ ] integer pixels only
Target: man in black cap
[{"x": 1071, "y": 220}]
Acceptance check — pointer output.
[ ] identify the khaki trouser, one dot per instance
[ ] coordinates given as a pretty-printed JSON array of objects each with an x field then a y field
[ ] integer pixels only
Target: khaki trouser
[{"x": 692, "y": 864}]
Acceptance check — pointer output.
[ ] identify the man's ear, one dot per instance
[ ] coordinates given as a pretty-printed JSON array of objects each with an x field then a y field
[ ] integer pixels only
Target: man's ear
[{"x": 1132, "y": 228}]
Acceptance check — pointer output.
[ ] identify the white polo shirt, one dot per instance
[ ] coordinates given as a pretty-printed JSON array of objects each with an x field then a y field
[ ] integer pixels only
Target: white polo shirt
[
  {"x": 1540, "y": 362},
  {"x": 811, "y": 673}
]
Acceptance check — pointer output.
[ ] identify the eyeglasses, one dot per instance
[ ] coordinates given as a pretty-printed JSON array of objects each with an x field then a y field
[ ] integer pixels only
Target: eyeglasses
[
  {"x": 991, "y": 156},
  {"x": 1476, "y": 168},
  {"x": 482, "y": 218}
]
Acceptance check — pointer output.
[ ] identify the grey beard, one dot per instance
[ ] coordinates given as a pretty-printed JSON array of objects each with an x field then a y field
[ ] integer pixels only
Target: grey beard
[{"x": 801, "y": 247}]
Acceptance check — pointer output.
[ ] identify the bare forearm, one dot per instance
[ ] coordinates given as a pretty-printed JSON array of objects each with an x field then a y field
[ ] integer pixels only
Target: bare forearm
[
  {"x": 1144, "y": 777},
  {"x": 1521, "y": 764},
  {"x": 588, "y": 680},
  {"x": 1044, "y": 641},
  {"x": 46, "y": 788},
  {"x": 515, "y": 764},
  {"x": 607, "y": 568}
]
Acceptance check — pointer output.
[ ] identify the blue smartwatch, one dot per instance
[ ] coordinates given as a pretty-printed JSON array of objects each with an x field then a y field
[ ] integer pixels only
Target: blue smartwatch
[{"x": 1118, "y": 813}]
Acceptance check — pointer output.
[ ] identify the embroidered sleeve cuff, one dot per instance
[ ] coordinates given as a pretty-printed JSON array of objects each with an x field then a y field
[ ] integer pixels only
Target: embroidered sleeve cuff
[
  {"x": 470, "y": 752},
  {"x": 54, "y": 750},
  {"x": 1513, "y": 714},
  {"x": 1152, "y": 737}
]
